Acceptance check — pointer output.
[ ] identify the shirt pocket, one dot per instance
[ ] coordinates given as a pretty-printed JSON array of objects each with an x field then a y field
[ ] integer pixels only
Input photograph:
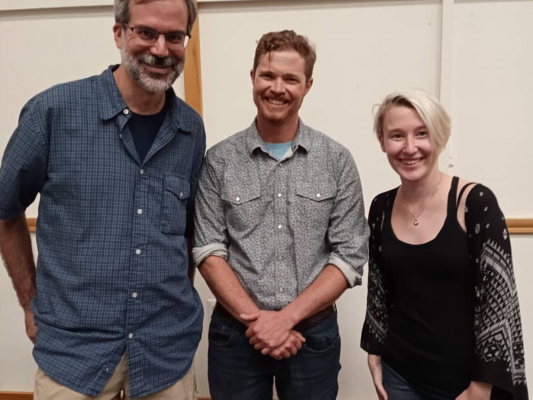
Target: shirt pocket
[
  {"x": 174, "y": 210},
  {"x": 315, "y": 202},
  {"x": 242, "y": 204}
]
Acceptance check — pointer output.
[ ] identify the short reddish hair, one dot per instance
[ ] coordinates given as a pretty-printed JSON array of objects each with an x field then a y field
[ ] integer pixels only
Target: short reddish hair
[{"x": 287, "y": 40}]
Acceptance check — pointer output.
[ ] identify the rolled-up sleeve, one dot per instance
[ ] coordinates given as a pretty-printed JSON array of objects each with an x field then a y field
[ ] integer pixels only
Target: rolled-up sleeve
[
  {"x": 348, "y": 230},
  {"x": 24, "y": 164},
  {"x": 210, "y": 232}
]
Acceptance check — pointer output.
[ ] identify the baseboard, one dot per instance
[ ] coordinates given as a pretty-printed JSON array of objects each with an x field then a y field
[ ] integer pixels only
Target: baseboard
[
  {"x": 16, "y": 396},
  {"x": 29, "y": 396}
]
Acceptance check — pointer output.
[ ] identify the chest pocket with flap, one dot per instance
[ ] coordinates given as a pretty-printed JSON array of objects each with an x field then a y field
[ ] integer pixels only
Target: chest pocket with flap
[
  {"x": 176, "y": 195},
  {"x": 315, "y": 200}
]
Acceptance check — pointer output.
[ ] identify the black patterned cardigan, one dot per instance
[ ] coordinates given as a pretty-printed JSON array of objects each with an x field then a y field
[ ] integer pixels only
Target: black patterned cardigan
[{"x": 499, "y": 349}]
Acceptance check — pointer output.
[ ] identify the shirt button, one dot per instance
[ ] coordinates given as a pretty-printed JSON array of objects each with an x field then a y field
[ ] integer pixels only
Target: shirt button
[
  {"x": 126, "y": 111},
  {"x": 181, "y": 195},
  {"x": 281, "y": 290},
  {"x": 120, "y": 135},
  {"x": 280, "y": 258},
  {"x": 238, "y": 199},
  {"x": 318, "y": 195},
  {"x": 141, "y": 171},
  {"x": 279, "y": 194},
  {"x": 138, "y": 251},
  {"x": 280, "y": 226},
  {"x": 130, "y": 335},
  {"x": 134, "y": 295},
  {"x": 139, "y": 211}
]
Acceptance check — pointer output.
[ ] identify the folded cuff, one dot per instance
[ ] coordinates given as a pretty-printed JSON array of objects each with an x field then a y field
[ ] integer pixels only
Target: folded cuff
[
  {"x": 354, "y": 278},
  {"x": 199, "y": 254}
]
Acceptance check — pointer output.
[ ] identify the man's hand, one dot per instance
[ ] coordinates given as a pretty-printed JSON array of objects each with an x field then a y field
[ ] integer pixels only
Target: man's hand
[
  {"x": 374, "y": 364},
  {"x": 291, "y": 346},
  {"x": 268, "y": 330},
  {"x": 476, "y": 391},
  {"x": 31, "y": 329},
  {"x": 15, "y": 246}
]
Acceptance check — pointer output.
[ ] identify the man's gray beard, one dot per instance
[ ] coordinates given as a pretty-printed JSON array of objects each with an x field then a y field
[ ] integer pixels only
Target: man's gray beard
[{"x": 152, "y": 82}]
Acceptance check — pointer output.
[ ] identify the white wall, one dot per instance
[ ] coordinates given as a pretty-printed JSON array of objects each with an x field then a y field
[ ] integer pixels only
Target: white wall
[
  {"x": 493, "y": 99},
  {"x": 477, "y": 59}
]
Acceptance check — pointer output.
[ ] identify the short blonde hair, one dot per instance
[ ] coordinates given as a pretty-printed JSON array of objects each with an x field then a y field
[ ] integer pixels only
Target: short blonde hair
[{"x": 430, "y": 110}]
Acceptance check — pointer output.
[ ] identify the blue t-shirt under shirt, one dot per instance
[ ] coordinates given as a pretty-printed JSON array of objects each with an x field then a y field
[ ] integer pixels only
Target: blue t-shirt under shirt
[{"x": 278, "y": 149}]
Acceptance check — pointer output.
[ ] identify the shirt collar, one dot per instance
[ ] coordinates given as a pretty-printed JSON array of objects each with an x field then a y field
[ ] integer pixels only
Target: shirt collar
[
  {"x": 302, "y": 139},
  {"x": 112, "y": 103}
]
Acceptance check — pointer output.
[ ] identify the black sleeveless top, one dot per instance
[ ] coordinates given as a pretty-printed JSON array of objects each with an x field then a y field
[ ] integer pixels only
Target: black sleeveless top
[{"x": 430, "y": 341}]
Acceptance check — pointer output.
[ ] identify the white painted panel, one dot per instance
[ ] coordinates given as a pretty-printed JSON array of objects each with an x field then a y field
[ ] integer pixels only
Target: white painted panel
[
  {"x": 522, "y": 256},
  {"x": 365, "y": 50},
  {"x": 43, "y": 4},
  {"x": 493, "y": 99}
]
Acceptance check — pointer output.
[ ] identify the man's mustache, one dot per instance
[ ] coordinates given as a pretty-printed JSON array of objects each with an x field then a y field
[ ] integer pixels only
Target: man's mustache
[{"x": 150, "y": 59}]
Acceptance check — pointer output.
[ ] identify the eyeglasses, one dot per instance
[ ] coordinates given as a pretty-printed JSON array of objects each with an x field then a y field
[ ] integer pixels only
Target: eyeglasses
[{"x": 150, "y": 36}]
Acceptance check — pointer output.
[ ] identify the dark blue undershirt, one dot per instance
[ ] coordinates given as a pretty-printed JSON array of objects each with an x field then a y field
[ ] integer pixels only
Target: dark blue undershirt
[{"x": 144, "y": 129}]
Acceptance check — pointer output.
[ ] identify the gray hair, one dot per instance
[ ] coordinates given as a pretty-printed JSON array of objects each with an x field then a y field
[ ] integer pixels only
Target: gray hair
[
  {"x": 122, "y": 12},
  {"x": 430, "y": 110}
]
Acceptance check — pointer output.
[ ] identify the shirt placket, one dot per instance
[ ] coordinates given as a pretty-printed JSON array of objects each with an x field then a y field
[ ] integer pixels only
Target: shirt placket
[
  {"x": 282, "y": 236},
  {"x": 140, "y": 250}
]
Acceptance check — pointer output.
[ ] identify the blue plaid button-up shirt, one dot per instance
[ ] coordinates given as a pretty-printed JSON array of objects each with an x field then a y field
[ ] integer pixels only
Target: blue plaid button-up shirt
[{"x": 112, "y": 267}]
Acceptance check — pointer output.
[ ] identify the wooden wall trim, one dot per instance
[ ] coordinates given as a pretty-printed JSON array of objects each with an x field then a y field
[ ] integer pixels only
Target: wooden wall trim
[
  {"x": 520, "y": 225},
  {"x": 29, "y": 396},
  {"x": 193, "y": 71},
  {"x": 16, "y": 396},
  {"x": 32, "y": 225},
  {"x": 516, "y": 226}
]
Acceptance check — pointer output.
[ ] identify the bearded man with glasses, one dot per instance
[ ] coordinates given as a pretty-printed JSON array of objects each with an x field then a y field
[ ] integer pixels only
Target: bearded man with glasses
[{"x": 116, "y": 159}]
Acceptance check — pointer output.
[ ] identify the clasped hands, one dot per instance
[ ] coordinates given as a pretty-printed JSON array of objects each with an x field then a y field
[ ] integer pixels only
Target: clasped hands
[{"x": 272, "y": 333}]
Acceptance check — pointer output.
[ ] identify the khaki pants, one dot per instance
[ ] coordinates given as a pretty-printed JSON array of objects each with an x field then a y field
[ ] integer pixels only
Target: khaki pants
[{"x": 48, "y": 389}]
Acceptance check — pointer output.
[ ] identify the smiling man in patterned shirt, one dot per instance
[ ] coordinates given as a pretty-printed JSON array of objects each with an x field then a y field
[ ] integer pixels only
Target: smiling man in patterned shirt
[
  {"x": 280, "y": 234},
  {"x": 116, "y": 159}
]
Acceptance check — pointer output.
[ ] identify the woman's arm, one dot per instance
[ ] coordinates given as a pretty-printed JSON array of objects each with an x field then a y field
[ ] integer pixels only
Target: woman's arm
[
  {"x": 499, "y": 349},
  {"x": 376, "y": 326},
  {"x": 374, "y": 364},
  {"x": 476, "y": 391},
  {"x": 378, "y": 300}
]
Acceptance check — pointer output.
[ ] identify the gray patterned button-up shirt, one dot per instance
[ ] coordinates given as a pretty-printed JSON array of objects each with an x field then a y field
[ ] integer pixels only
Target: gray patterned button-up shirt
[{"x": 279, "y": 223}]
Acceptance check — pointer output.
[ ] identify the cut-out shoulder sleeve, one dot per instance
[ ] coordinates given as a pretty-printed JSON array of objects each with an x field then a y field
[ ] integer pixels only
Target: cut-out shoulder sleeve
[
  {"x": 498, "y": 331},
  {"x": 379, "y": 295}
]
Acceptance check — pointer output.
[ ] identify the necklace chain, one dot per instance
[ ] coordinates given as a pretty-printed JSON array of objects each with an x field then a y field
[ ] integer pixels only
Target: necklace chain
[{"x": 415, "y": 222}]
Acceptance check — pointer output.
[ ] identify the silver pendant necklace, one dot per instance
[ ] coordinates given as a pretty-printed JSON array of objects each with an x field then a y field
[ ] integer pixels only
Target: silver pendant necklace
[{"x": 415, "y": 221}]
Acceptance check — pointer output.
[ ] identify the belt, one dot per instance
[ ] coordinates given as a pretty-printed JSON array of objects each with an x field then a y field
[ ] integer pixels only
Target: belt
[
  {"x": 301, "y": 326},
  {"x": 321, "y": 315}
]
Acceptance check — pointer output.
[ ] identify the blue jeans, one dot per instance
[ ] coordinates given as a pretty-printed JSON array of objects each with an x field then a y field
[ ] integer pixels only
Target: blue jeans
[
  {"x": 237, "y": 371},
  {"x": 398, "y": 388}
]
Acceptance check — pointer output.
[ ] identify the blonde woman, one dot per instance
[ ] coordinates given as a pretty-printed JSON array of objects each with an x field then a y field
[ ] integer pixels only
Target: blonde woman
[{"x": 443, "y": 319}]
